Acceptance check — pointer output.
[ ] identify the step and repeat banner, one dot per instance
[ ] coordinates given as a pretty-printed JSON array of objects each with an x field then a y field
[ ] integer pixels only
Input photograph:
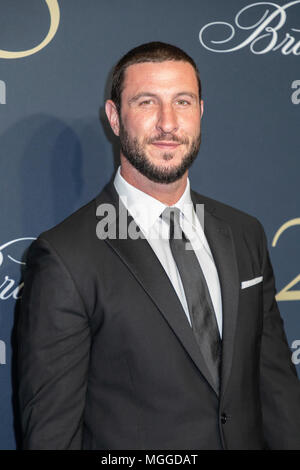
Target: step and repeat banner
[{"x": 57, "y": 151}]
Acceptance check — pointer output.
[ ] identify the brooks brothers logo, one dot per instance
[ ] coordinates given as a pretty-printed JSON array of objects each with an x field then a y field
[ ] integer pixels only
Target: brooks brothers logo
[
  {"x": 54, "y": 22},
  {"x": 9, "y": 288},
  {"x": 259, "y": 26}
]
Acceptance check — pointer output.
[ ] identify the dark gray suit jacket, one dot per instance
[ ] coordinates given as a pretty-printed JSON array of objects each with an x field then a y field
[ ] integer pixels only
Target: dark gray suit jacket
[{"x": 108, "y": 360}]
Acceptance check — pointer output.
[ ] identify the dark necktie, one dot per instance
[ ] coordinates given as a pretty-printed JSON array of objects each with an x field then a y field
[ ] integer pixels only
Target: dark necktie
[{"x": 199, "y": 302}]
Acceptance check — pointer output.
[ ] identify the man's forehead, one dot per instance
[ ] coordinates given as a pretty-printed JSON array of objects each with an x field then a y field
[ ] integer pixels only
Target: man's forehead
[{"x": 167, "y": 73}]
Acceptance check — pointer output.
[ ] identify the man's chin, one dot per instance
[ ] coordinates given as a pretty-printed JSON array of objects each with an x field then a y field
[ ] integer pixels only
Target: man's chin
[
  {"x": 166, "y": 160},
  {"x": 164, "y": 174},
  {"x": 163, "y": 168}
]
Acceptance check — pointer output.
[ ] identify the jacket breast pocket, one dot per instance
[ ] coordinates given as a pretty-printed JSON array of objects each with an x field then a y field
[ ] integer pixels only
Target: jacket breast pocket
[
  {"x": 251, "y": 282},
  {"x": 251, "y": 306}
]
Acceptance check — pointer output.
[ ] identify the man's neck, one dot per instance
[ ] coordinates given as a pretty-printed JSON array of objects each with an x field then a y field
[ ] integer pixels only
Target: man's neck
[{"x": 168, "y": 194}]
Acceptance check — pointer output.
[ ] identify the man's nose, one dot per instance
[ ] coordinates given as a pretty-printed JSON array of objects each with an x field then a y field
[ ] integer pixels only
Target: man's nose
[{"x": 167, "y": 119}]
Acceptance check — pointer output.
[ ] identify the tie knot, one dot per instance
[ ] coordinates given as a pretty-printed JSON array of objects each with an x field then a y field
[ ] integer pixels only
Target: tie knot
[{"x": 171, "y": 215}]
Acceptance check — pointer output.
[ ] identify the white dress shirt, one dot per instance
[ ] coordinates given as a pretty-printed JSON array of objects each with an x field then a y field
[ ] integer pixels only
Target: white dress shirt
[{"x": 146, "y": 212}]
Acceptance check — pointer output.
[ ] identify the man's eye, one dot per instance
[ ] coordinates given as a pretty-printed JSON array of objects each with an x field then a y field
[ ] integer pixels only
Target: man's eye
[
  {"x": 183, "y": 102},
  {"x": 146, "y": 102}
]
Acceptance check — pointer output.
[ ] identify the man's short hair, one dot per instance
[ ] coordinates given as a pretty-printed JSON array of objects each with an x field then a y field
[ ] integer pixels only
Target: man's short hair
[{"x": 149, "y": 52}]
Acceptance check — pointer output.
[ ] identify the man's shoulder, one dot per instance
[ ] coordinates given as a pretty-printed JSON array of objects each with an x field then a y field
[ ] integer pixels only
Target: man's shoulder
[
  {"x": 74, "y": 229},
  {"x": 226, "y": 212},
  {"x": 81, "y": 221}
]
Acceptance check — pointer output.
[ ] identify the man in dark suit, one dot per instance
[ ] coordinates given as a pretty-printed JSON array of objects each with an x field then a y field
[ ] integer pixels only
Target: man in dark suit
[{"x": 146, "y": 323}]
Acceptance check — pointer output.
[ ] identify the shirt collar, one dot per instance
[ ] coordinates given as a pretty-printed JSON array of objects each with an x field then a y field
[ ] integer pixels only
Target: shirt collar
[{"x": 144, "y": 208}]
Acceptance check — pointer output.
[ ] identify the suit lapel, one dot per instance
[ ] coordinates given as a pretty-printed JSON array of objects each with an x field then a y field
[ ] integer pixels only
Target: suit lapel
[
  {"x": 220, "y": 240},
  {"x": 148, "y": 271}
]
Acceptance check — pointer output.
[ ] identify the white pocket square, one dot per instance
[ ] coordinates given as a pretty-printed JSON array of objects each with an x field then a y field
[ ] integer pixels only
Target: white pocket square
[{"x": 251, "y": 282}]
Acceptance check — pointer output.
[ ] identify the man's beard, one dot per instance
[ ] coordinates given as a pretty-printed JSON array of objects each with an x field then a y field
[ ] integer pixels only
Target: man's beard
[{"x": 139, "y": 160}]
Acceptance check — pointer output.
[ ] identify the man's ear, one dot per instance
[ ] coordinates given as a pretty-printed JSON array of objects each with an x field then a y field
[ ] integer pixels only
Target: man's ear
[
  {"x": 201, "y": 108},
  {"x": 113, "y": 116}
]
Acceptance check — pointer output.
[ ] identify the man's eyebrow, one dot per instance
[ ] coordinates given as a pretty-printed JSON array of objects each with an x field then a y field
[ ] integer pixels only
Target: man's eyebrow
[
  {"x": 187, "y": 93},
  {"x": 140, "y": 95},
  {"x": 153, "y": 95}
]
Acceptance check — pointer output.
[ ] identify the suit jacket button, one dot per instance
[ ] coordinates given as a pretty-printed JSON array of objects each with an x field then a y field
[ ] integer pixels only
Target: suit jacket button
[{"x": 223, "y": 418}]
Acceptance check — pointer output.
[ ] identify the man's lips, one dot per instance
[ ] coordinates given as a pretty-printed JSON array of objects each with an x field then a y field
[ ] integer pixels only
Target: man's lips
[{"x": 166, "y": 145}]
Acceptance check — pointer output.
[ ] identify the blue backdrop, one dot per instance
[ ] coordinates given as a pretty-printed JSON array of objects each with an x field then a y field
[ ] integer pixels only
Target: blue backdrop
[{"x": 57, "y": 152}]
